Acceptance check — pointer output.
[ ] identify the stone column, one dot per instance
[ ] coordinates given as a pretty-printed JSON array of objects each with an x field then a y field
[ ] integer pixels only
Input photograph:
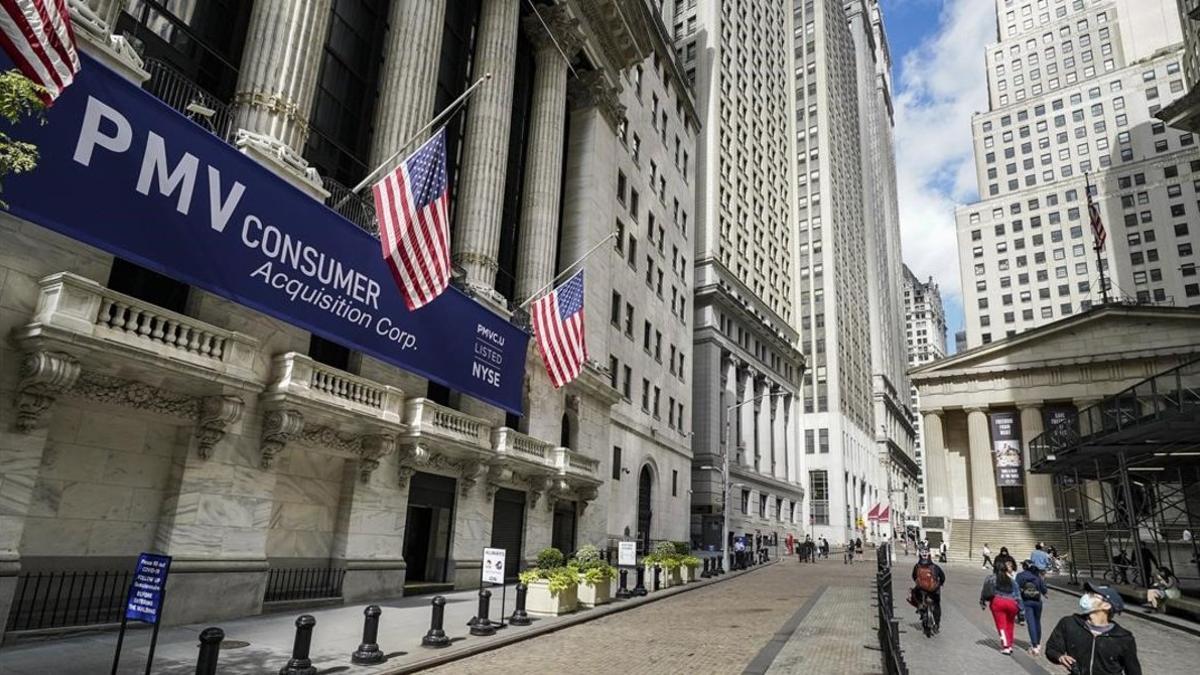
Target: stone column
[
  {"x": 408, "y": 78},
  {"x": 779, "y": 458},
  {"x": 983, "y": 470},
  {"x": 542, "y": 191},
  {"x": 369, "y": 534},
  {"x": 1039, "y": 489},
  {"x": 937, "y": 480},
  {"x": 746, "y": 392},
  {"x": 485, "y": 146},
  {"x": 278, "y": 81}
]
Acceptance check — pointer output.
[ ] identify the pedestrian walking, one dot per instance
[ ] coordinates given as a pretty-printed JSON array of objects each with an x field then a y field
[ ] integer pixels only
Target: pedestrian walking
[
  {"x": 943, "y": 551},
  {"x": 824, "y": 548},
  {"x": 1001, "y": 594},
  {"x": 1166, "y": 587},
  {"x": 1033, "y": 594},
  {"x": 1089, "y": 641},
  {"x": 1004, "y": 558},
  {"x": 858, "y": 548},
  {"x": 986, "y": 551}
]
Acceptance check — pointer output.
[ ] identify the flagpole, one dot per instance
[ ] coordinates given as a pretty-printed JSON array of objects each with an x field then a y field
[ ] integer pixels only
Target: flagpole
[
  {"x": 567, "y": 269},
  {"x": 446, "y": 112},
  {"x": 1099, "y": 260}
]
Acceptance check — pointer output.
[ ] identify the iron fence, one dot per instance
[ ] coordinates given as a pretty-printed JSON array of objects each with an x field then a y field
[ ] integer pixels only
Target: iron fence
[
  {"x": 178, "y": 91},
  {"x": 307, "y": 583},
  {"x": 356, "y": 209},
  {"x": 888, "y": 631},
  {"x": 64, "y": 599}
]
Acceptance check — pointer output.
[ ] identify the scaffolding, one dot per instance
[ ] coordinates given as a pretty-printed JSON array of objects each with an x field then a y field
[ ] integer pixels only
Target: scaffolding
[{"x": 1126, "y": 473}]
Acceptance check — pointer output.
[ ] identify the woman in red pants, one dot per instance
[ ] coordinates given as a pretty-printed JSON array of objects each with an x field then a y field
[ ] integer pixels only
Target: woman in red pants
[{"x": 1001, "y": 594}]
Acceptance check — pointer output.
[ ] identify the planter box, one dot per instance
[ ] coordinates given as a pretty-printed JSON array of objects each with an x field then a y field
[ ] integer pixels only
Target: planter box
[
  {"x": 540, "y": 601},
  {"x": 592, "y": 596},
  {"x": 690, "y": 574},
  {"x": 672, "y": 577}
]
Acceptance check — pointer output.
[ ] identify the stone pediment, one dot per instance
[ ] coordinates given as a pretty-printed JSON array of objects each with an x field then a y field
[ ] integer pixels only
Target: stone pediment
[{"x": 1110, "y": 333}]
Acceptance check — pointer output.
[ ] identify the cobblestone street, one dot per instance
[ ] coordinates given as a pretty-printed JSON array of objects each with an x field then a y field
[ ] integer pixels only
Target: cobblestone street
[{"x": 720, "y": 629}]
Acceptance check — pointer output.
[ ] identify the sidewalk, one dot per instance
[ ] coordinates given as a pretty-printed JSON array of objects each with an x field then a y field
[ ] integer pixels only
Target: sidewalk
[{"x": 261, "y": 644}]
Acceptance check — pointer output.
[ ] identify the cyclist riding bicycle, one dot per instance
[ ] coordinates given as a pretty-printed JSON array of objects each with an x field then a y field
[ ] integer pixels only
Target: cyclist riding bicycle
[{"x": 929, "y": 578}]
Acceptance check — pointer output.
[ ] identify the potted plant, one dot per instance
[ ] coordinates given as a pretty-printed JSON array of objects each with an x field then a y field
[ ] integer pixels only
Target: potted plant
[
  {"x": 595, "y": 577},
  {"x": 690, "y": 564},
  {"x": 667, "y": 559},
  {"x": 552, "y": 585}
]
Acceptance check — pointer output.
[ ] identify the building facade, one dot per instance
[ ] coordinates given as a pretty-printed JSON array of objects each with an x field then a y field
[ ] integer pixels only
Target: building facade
[
  {"x": 925, "y": 330},
  {"x": 1184, "y": 112},
  {"x": 1073, "y": 91},
  {"x": 249, "y": 447},
  {"x": 747, "y": 364}
]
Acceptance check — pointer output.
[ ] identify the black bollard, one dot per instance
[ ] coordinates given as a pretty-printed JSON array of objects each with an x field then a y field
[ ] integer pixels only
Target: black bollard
[
  {"x": 657, "y": 572},
  {"x": 623, "y": 590},
  {"x": 436, "y": 637},
  {"x": 482, "y": 625},
  {"x": 640, "y": 588},
  {"x": 210, "y": 648},
  {"x": 720, "y": 565},
  {"x": 519, "y": 617},
  {"x": 705, "y": 574},
  {"x": 369, "y": 652},
  {"x": 300, "y": 664}
]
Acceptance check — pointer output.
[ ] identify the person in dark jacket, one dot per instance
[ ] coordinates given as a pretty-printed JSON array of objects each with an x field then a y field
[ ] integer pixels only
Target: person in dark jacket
[
  {"x": 925, "y": 562},
  {"x": 1005, "y": 558},
  {"x": 1090, "y": 642},
  {"x": 1033, "y": 593}
]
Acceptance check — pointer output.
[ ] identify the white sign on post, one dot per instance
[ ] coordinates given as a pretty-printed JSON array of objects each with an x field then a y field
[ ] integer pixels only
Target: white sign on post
[
  {"x": 493, "y": 565},
  {"x": 627, "y": 553}
]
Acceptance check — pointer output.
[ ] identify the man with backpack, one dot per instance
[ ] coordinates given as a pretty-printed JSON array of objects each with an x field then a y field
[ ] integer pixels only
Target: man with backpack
[{"x": 929, "y": 578}]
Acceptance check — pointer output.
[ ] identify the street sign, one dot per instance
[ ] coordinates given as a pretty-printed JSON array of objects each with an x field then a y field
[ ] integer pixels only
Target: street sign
[
  {"x": 144, "y": 602},
  {"x": 627, "y": 553},
  {"x": 493, "y": 565}
]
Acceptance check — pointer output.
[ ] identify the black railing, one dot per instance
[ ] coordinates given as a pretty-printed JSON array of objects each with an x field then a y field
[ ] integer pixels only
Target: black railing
[
  {"x": 356, "y": 209},
  {"x": 308, "y": 583},
  {"x": 181, "y": 93},
  {"x": 888, "y": 631},
  {"x": 62, "y": 599}
]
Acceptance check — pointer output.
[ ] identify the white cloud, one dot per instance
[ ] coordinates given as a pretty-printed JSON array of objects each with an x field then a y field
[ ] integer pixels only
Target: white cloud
[{"x": 940, "y": 83}]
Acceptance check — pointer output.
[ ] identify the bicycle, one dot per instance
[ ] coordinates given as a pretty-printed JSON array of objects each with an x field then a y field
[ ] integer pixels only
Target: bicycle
[
  {"x": 929, "y": 625},
  {"x": 1123, "y": 575}
]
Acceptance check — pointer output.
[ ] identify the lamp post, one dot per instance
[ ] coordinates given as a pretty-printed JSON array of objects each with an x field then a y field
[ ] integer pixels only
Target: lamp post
[{"x": 724, "y": 469}]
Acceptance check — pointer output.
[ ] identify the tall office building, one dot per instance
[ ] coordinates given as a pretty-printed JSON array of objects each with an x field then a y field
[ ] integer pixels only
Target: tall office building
[
  {"x": 747, "y": 364},
  {"x": 857, "y": 429},
  {"x": 1184, "y": 112},
  {"x": 1073, "y": 90},
  {"x": 925, "y": 330}
]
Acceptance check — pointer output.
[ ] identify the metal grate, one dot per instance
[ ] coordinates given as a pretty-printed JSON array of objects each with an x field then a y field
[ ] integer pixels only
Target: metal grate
[
  {"x": 61, "y": 599},
  {"x": 181, "y": 93},
  {"x": 310, "y": 583},
  {"x": 356, "y": 209}
]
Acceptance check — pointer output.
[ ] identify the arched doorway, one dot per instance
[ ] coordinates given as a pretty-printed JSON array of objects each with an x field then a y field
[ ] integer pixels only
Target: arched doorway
[{"x": 645, "y": 495}]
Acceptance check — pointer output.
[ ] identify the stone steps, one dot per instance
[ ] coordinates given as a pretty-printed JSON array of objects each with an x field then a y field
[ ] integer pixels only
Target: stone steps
[{"x": 1020, "y": 536}]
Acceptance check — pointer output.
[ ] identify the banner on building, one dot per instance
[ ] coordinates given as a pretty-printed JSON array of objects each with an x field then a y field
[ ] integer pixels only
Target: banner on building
[
  {"x": 1006, "y": 448},
  {"x": 124, "y": 172}
]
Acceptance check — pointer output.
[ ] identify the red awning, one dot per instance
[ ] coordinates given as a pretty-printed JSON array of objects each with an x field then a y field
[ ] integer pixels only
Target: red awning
[
  {"x": 873, "y": 514},
  {"x": 885, "y": 513}
]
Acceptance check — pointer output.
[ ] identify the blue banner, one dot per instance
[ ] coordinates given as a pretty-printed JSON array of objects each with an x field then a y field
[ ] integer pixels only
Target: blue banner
[
  {"x": 122, "y": 171},
  {"x": 146, "y": 590}
]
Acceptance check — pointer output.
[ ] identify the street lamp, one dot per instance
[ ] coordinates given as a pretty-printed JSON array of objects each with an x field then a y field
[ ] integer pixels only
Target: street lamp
[{"x": 724, "y": 469}]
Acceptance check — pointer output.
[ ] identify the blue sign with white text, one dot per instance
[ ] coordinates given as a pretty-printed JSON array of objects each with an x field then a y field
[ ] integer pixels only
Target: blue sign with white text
[
  {"x": 146, "y": 590},
  {"x": 124, "y": 172}
]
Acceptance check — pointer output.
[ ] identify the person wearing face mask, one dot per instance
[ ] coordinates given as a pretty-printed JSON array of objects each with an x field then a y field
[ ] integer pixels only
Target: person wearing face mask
[{"x": 1089, "y": 642}]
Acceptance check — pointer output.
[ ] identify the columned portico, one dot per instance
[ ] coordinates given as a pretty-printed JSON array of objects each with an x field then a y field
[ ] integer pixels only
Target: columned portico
[
  {"x": 408, "y": 78},
  {"x": 938, "y": 484},
  {"x": 485, "y": 146},
  {"x": 1039, "y": 491},
  {"x": 542, "y": 191},
  {"x": 983, "y": 472}
]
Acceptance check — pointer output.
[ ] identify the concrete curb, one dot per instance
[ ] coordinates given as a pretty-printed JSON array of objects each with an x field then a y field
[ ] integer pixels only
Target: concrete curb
[
  {"x": 1138, "y": 614},
  {"x": 582, "y": 617}
]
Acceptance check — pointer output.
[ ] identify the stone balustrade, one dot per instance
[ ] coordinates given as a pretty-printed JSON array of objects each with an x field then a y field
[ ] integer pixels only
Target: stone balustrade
[
  {"x": 79, "y": 310},
  {"x": 424, "y": 417},
  {"x": 514, "y": 445},
  {"x": 577, "y": 465},
  {"x": 298, "y": 375}
]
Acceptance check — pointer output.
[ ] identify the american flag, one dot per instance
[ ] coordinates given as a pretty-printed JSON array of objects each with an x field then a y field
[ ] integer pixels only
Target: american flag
[
  {"x": 558, "y": 328},
  {"x": 38, "y": 37},
  {"x": 414, "y": 230},
  {"x": 1097, "y": 226}
]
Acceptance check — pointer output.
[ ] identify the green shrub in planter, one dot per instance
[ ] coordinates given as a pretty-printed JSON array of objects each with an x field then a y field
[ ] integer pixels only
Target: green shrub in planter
[
  {"x": 682, "y": 547},
  {"x": 691, "y": 561},
  {"x": 549, "y": 558}
]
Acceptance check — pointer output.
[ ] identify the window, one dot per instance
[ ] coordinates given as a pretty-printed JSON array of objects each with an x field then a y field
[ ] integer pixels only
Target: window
[
  {"x": 616, "y": 463},
  {"x": 818, "y": 489}
]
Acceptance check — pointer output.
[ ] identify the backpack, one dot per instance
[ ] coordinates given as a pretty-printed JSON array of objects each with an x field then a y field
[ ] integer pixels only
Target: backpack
[
  {"x": 926, "y": 579},
  {"x": 1030, "y": 592}
]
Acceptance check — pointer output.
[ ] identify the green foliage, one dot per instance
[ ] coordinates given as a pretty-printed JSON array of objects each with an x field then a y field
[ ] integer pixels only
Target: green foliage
[
  {"x": 587, "y": 555},
  {"x": 671, "y": 562},
  {"x": 691, "y": 561},
  {"x": 549, "y": 558},
  {"x": 682, "y": 547},
  {"x": 591, "y": 568},
  {"x": 664, "y": 548},
  {"x": 19, "y": 99}
]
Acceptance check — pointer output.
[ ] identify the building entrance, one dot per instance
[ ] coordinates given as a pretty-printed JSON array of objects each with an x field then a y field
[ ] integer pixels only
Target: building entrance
[
  {"x": 428, "y": 527},
  {"x": 508, "y": 528}
]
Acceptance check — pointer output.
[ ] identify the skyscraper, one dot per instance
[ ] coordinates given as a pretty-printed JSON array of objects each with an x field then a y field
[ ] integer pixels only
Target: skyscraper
[
  {"x": 857, "y": 430},
  {"x": 925, "y": 329},
  {"x": 1073, "y": 89},
  {"x": 747, "y": 364}
]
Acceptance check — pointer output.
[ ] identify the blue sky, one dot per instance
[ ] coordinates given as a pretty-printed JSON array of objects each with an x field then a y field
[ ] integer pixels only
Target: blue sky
[{"x": 939, "y": 80}]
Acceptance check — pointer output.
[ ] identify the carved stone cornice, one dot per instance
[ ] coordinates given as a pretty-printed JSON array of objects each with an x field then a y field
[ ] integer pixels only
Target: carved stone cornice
[
  {"x": 279, "y": 427},
  {"x": 538, "y": 486},
  {"x": 214, "y": 415},
  {"x": 592, "y": 90},
  {"x": 472, "y": 473},
  {"x": 328, "y": 437},
  {"x": 497, "y": 474},
  {"x": 44, "y": 377},
  {"x": 137, "y": 395},
  {"x": 282, "y": 154},
  {"x": 403, "y": 475}
]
